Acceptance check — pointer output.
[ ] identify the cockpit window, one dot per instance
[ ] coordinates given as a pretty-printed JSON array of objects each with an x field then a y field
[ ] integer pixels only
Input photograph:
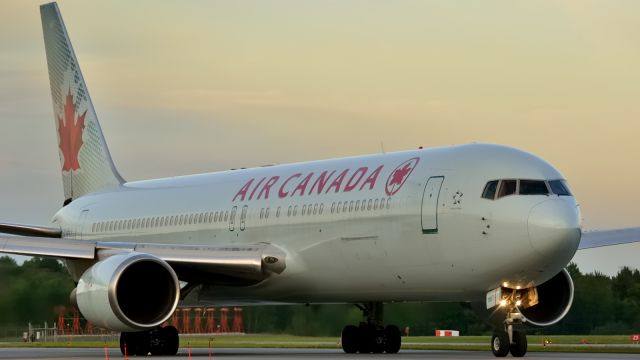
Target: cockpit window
[
  {"x": 507, "y": 187},
  {"x": 559, "y": 187},
  {"x": 533, "y": 187},
  {"x": 490, "y": 190}
]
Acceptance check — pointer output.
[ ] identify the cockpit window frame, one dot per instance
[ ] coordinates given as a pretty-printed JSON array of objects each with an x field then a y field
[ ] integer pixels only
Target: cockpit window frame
[
  {"x": 546, "y": 182},
  {"x": 515, "y": 192}
]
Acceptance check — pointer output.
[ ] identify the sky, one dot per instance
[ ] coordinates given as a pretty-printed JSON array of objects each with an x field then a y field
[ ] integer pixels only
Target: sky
[{"x": 184, "y": 88}]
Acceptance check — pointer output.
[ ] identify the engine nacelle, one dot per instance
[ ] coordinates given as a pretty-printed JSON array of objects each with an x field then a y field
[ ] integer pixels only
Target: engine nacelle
[
  {"x": 128, "y": 292},
  {"x": 554, "y": 301},
  {"x": 543, "y": 305}
]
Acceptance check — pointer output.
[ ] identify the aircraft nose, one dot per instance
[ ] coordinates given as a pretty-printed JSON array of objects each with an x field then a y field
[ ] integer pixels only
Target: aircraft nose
[{"x": 554, "y": 228}]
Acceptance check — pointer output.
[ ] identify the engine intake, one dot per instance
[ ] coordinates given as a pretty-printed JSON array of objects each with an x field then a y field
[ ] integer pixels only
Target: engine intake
[
  {"x": 128, "y": 292},
  {"x": 554, "y": 301},
  {"x": 543, "y": 305}
]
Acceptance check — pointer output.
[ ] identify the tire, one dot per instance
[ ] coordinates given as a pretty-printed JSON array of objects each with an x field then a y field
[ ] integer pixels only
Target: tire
[
  {"x": 350, "y": 339},
  {"x": 393, "y": 339},
  {"x": 367, "y": 343},
  {"x": 519, "y": 346},
  {"x": 172, "y": 340},
  {"x": 500, "y": 344},
  {"x": 125, "y": 342}
]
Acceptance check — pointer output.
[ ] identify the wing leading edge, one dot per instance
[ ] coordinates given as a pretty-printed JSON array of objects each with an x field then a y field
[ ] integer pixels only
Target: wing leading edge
[
  {"x": 239, "y": 264},
  {"x": 599, "y": 238}
]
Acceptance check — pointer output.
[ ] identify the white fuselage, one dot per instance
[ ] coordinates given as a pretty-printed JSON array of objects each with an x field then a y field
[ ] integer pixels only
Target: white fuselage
[{"x": 397, "y": 238}]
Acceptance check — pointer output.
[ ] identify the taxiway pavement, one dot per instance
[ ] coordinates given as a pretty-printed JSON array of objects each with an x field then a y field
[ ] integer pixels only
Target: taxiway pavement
[{"x": 273, "y": 354}]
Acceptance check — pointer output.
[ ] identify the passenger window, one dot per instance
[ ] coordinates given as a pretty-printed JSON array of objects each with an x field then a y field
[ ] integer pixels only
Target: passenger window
[
  {"x": 226, "y": 216},
  {"x": 304, "y": 209},
  {"x": 490, "y": 190},
  {"x": 375, "y": 205},
  {"x": 289, "y": 211},
  {"x": 278, "y": 212},
  {"x": 321, "y": 208},
  {"x": 295, "y": 210},
  {"x": 533, "y": 187},
  {"x": 369, "y": 204},
  {"x": 333, "y": 207},
  {"x": 266, "y": 213},
  {"x": 315, "y": 209},
  {"x": 507, "y": 187},
  {"x": 388, "y": 203},
  {"x": 351, "y": 206},
  {"x": 559, "y": 187},
  {"x": 344, "y": 206},
  {"x": 261, "y": 213},
  {"x": 364, "y": 207},
  {"x": 357, "y": 205}
]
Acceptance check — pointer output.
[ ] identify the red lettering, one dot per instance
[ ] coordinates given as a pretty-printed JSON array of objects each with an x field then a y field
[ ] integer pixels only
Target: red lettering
[
  {"x": 281, "y": 192},
  {"x": 353, "y": 182},
  {"x": 267, "y": 187},
  {"x": 321, "y": 181},
  {"x": 372, "y": 178},
  {"x": 256, "y": 188},
  {"x": 338, "y": 181},
  {"x": 302, "y": 186},
  {"x": 243, "y": 191}
]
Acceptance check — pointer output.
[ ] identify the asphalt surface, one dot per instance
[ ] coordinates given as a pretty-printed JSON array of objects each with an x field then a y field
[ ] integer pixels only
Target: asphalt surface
[{"x": 272, "y": 354}]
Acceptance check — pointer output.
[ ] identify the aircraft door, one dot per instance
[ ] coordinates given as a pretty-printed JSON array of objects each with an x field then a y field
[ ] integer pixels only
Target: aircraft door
[
  {"x": 430, "y": 204},
  {"x": 232, "y": 218},
  {"x": 243, "y": 217}
]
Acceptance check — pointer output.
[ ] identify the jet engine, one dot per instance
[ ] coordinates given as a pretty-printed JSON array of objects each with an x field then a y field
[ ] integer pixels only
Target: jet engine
[
  {"x": 128, "y": 292},
  {"x": 554, "y": 299},
  {"x": 543, "y": 305}
]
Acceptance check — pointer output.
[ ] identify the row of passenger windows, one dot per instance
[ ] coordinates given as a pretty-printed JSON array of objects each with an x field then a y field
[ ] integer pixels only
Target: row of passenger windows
[
  {"x": 497, "y": 189},
  {"x": 224, "y": 216},
  {"x": 160, "y": 221}
]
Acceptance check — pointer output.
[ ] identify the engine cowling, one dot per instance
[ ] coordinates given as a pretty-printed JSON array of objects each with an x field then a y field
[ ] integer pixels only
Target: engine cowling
[
  {"x": 128, "y": 292},
  {"x": 554, "y": 301},
  {"x": 543, "y": 305}
]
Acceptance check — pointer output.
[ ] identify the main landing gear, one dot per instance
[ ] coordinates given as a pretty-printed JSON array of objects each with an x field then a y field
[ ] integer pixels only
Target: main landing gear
[
  {"x": 371, "y": 336},
  {"x": 160, "y": 341},
  {"x": 512, "y": 338}
]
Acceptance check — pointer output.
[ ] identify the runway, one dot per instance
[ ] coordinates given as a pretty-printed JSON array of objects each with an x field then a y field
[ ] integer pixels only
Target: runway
[{"x": 273, "y": 354}]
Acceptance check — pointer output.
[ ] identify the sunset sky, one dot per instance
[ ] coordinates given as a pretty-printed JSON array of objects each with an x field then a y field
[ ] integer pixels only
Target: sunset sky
[{"x": 202, "y": 86}]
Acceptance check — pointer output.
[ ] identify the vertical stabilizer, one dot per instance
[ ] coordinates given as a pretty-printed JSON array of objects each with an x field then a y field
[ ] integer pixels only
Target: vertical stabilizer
[{"x": 84, "y": 157}]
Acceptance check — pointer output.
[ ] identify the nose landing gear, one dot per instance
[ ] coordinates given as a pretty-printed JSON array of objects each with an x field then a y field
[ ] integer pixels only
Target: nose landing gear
[
  {"x": 512, "y": 338},
  {"x": 371, "y": 336}
]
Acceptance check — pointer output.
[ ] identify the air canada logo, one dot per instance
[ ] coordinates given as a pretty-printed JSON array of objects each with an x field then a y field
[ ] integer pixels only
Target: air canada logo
[
  {"x": 70, "y": 134},
  {"x": 399, "y": 175}
]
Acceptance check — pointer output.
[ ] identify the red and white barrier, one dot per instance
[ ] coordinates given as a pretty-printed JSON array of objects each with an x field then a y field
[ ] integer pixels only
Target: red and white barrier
[{"x": 447, "y": 333}]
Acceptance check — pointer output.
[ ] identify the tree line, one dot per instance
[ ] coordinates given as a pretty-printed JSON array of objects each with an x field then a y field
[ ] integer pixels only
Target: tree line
[{"x": 602, "y": 305}]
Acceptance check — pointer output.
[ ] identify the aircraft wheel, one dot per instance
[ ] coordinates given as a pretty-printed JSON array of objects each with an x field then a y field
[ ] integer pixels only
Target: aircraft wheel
[
  {"x": 125, "y": 343},
  {"x": 519, "y": 346},
  {"x": 172, "y": 340},
  {"x": 500, "y": 344},
  {"x": 393, "y": 339},
  {"x": 350, "y": 339},
  {"x": 367, "y": 341}
]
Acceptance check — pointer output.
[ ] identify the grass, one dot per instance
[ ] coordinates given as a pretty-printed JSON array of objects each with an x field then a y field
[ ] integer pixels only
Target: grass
[{"x": 559, "y": 343}]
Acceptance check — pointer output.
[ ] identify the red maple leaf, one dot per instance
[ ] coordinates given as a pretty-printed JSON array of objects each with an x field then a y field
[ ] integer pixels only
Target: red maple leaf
[
  {"x": 70, "y": 132},
  {"x": 399, "y": 175}
]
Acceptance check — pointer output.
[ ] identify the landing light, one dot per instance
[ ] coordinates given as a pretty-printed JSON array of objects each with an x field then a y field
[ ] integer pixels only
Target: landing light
[
  {"x": 518, "y": 302},
  {"x": 503, "y": 302},
  {"x": 505, "y": 284}
]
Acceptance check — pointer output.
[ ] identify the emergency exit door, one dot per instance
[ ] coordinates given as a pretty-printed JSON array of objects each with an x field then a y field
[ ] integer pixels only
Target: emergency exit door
[{"x": 430, "y": 204}]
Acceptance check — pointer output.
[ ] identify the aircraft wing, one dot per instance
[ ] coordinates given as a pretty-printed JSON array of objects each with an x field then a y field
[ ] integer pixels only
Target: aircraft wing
[
  {"x": 233, "y": 264},
  {"x": 599, "y": 238}
]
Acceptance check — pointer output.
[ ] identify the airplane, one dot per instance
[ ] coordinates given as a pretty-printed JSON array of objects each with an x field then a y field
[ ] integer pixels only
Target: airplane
[{"x": 482, "y": 224}]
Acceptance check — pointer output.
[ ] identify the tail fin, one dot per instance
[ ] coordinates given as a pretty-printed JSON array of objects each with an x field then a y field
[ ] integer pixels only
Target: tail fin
[{"x": 84, "y": 156}]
